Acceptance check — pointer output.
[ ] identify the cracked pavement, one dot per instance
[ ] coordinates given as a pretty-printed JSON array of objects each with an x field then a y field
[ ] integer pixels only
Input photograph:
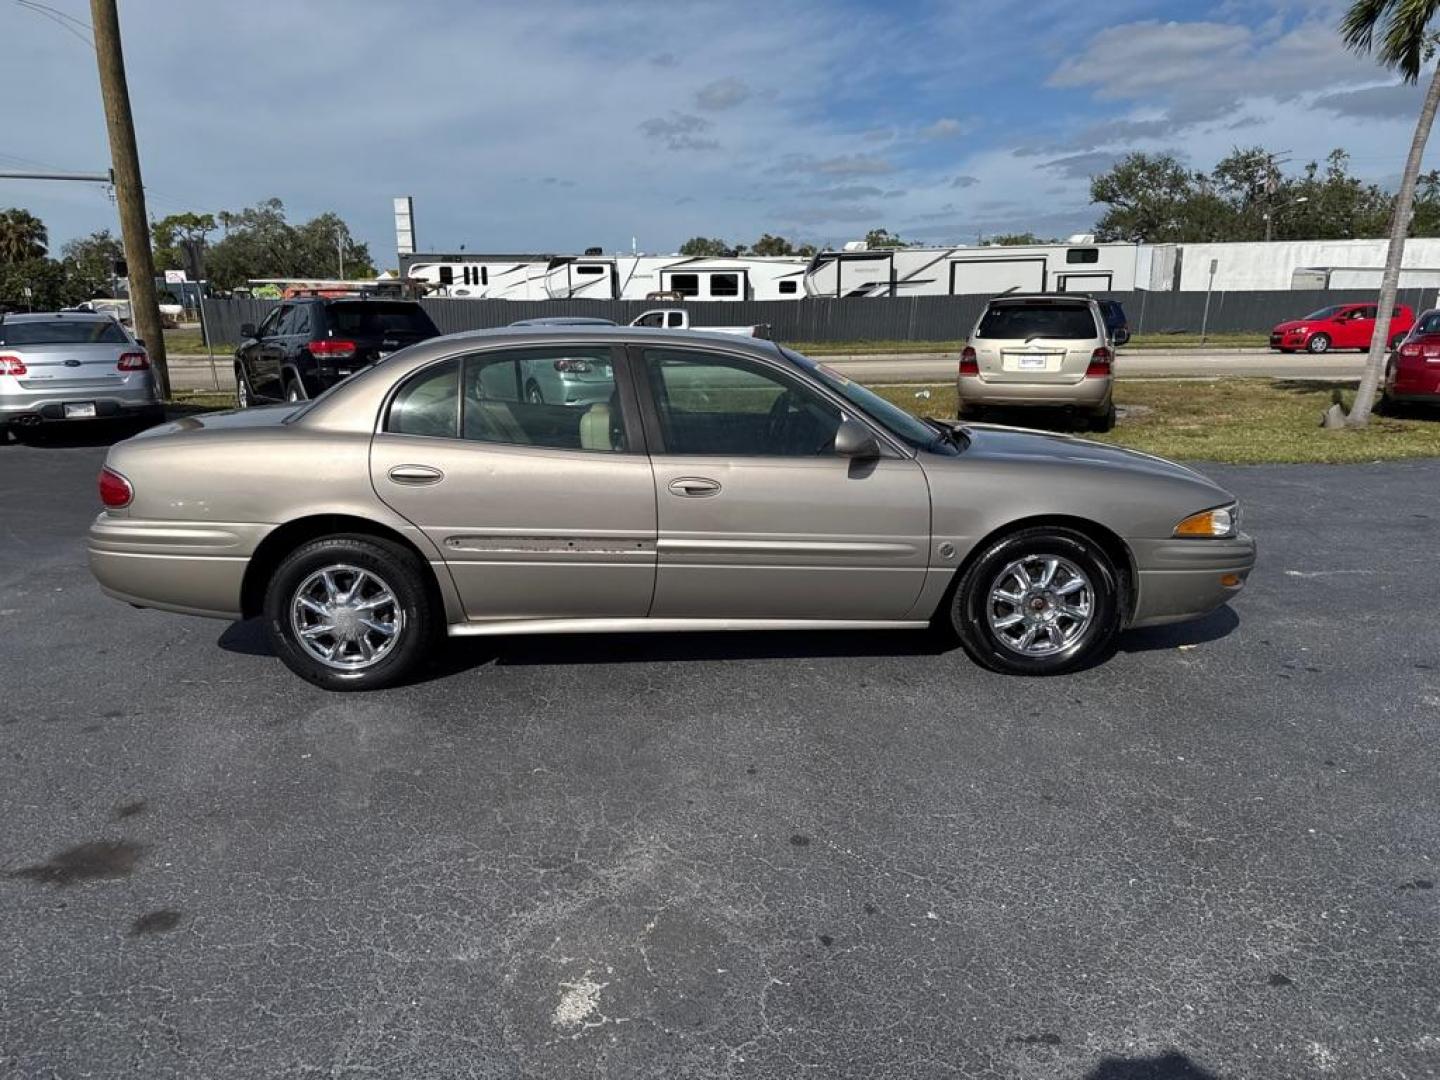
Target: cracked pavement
[{"x": 744, "y": 856}]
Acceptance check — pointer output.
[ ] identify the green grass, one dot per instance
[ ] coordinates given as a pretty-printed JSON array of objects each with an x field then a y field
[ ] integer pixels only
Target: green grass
[
  {"x": 192, "y": 401},
  {"x": 1139, "y": 341},
  {"x": 186, "y": 341},
  {"x": 1242, "y": 421}
]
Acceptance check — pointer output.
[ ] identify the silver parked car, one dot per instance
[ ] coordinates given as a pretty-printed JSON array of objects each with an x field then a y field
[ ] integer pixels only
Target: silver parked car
[
  {"x": 73, "y": 366},
  {"x": 1040, "y": 350},
  {"x": 722, "y": 483}
]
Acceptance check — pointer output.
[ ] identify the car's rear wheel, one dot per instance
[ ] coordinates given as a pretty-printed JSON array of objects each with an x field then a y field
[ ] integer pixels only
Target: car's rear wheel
[
  {"x": 1040, "y": 601},
  {"x": 1318, "y": 343},
  {"x": 1104, "y": 421},
  {"x": 294, "y": 392},
  {"x": 350, "y": 612},
  {"x": 242, "y": 390}
]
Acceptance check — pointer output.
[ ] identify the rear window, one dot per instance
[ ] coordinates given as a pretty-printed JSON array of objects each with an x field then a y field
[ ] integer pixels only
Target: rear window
[
  {"x": 1042, "y": 320},
  {"x": 380, "y": 320},
  {"x": 63, "y": 332},
  {"x": 1429, "y": 323}
]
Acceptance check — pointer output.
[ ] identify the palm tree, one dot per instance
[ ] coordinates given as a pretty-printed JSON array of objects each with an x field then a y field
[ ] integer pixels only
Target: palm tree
[
  {"x": 22, "y": 236},
  {"x": 1405, "y": 44}
]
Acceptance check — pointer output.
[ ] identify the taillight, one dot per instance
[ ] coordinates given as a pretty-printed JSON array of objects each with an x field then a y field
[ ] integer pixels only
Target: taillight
[
  {"x": 1100, "y": 361},
  {"x": 969, "y": 364},
  {"x": 12, "y": 365},
  {"x": 133, "y": 361},
  {"x": 1410, "y": 349},
  {"x": 572, "y": 364},
  {"x": 115, "y": 490},
  {"x": 1414, "y": 350},
  {"x": 332, "y": 349}
]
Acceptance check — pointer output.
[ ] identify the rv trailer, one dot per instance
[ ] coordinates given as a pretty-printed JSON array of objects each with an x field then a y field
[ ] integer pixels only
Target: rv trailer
[
  {"x": 607, "y": 277},
  {"x": 1078, "y": 266}
]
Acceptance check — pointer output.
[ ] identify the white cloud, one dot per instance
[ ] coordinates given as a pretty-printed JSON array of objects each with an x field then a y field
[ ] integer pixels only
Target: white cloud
[
  {"x": 679, "y": 131},
  {"x": 947, "y": 127}
]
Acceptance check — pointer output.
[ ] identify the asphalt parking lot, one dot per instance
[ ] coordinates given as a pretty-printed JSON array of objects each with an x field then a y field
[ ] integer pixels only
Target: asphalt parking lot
[{"x": 752, "y": 856}]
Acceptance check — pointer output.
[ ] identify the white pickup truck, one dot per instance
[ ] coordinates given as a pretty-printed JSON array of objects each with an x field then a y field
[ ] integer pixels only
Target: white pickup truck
[{"x": 679, "y": 319}]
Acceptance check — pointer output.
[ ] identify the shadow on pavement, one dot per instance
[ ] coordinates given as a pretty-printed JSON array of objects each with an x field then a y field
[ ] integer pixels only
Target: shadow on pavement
[
  {"x": 461, "y": 654},
  {"x": 1218, "y": 624},
  {"x": 1171, "y": 1066}
]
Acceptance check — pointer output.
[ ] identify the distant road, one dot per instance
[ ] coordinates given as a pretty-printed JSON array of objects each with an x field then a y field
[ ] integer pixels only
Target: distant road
[
  {"x": 1175, "y": 363},
  {"x": 192, "y": 373}
]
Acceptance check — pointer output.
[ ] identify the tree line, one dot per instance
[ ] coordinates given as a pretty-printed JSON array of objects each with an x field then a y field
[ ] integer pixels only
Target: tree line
[{"x": 256, "y": 242}]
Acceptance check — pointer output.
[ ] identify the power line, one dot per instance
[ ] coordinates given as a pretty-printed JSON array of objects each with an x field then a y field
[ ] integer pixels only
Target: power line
[{"x": 67, "y": 22}]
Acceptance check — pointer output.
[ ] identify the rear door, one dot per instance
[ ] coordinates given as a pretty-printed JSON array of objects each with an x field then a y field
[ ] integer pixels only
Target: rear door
[
  {"x": 1036, "y": 340},
  {"x": 542, "y": 510},
  {"x": 757, "y": 517}
]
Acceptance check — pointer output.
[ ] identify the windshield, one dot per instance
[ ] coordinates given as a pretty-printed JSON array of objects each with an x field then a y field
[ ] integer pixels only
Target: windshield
[
  {"x": 1026, "y": 321},
  {"x": 1326, "y": 312},
  {"x": 908, "y": 429},
  {"x": 63, "y": 332}
]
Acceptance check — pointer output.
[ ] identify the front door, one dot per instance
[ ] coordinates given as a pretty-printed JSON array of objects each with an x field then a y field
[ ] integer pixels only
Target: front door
[
  {"x": 757, "y": 516},
  {"x": 543, "y": 509},
  {"x": 1359, "y": 328}
]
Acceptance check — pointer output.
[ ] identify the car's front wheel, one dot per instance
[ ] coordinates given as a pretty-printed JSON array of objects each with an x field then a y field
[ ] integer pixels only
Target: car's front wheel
[
  {"x": 1040, "y": 601},
  {"x": 350, "y": 612},
  {"x": 1318, "y": 343},
  {"x": 242, "y": 390}
]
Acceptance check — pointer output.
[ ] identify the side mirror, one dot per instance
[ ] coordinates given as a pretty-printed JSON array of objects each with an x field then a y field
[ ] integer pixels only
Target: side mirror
[
  {"x": 247, "y": 329},
  {"x": 853, "y": 440}
]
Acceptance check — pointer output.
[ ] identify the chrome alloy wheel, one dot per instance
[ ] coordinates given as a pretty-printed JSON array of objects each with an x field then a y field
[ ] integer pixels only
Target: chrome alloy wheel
[
  {"x": 1040, "y": 605},
  {"x": 346, "y": 617}
]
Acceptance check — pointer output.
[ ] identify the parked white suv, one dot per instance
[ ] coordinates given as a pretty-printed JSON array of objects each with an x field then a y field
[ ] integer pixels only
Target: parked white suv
[{"x": 1040, "y": 350}]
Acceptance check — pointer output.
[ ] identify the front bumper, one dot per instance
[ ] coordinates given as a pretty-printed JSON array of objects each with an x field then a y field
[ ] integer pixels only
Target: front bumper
[
  {"x": 1091, "y": 394},
  {"x": 1289, "y": 339},
  {"x": 1185, "y": 579}
]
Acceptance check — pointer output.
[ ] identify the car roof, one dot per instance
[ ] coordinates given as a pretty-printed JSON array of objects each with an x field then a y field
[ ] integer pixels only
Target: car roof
[
  {"x": 1081, "y": 298},
  {"x": 564, "y": 320},
  {"x": 648, "y": 335},
  {"x": 51, "y": 316}
]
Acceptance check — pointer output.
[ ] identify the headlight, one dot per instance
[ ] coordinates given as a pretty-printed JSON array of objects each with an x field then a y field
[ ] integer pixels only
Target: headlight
[
  {"x": 1222, "y": 521},
  {"x": 1299, "y": 329}
]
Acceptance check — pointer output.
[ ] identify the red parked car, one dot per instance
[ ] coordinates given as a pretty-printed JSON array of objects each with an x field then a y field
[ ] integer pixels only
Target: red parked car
[
  {"x": 1413, "y": 374},
  {"x": 1340, "y": 326}
]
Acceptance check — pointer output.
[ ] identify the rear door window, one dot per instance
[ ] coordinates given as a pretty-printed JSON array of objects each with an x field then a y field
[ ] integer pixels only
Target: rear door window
[
  {"x": 63, "y": 332},
  {"x": 1025, "y": 322}
]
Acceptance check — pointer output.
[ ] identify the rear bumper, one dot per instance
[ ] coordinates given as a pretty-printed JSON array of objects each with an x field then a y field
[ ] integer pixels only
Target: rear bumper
[
  {"x": 1089, "y": 393},
  {"x": 190, "y": 567},
  {"x": 49, "y": 407},
  {"x": 1411, "y": 384},
  {"x": 1185, "y": 579}
]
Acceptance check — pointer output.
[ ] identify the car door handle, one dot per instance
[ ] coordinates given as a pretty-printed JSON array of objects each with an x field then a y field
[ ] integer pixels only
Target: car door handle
[
  {"x": 694, "y": 487},
  {"x": 416, "y": 474}
]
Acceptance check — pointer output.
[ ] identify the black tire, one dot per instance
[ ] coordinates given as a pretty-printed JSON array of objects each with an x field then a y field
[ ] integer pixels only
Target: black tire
[
  {"x": 533, "y": 393},
  {"x": 401, "y": 573},
  {"x": 1104, "y": 421},
  {"x": 295, "y": 391},
  {"x": 1318, "y": 343},
  {"x": 968, "y": 605},
  {"x": 243, "y": 397}
]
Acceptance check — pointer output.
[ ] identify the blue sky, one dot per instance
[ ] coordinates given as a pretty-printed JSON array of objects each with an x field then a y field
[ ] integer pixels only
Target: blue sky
[{"x": 551, "y": 126}]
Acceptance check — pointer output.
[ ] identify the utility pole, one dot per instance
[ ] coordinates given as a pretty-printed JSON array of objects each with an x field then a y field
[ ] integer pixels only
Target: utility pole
[{"x": 129, "y": 193}]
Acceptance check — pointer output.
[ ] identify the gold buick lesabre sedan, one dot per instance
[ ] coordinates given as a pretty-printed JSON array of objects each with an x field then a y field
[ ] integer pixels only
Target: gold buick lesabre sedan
[{"x": 686, "y": 481}]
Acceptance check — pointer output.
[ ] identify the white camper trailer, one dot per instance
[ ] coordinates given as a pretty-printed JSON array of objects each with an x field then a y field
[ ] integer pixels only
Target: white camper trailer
[
  {"x": 1080, "y": 265},
  {"x": 609, "y": 277}
]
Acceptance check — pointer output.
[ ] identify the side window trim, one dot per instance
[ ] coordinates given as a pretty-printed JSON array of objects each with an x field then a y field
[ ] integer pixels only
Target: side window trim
[
  {"x": 650, "y": 414},
  {"x": 630, "y": 410}
]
